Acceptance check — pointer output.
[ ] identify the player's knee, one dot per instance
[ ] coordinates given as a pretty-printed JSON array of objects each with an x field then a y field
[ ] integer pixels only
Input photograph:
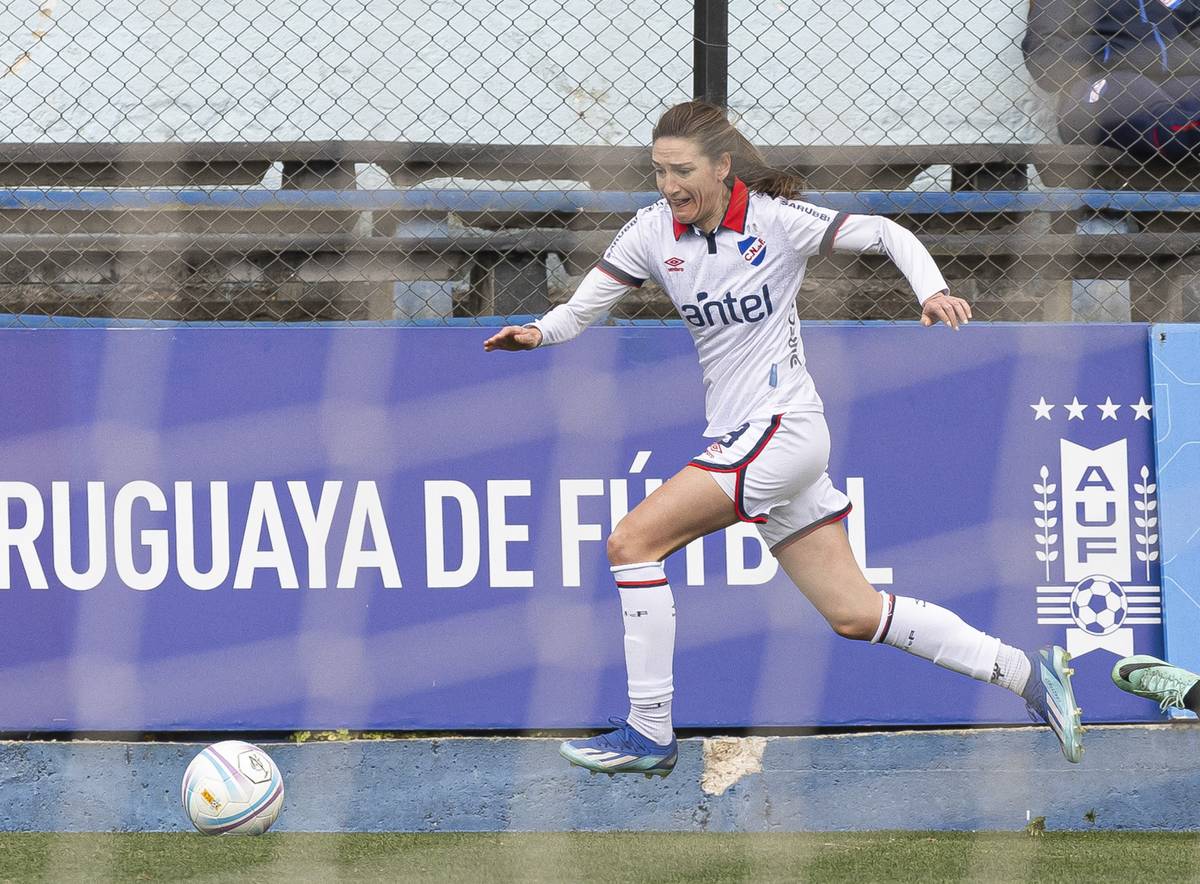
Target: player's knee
[
  {"x": 856, "y": 624},
  {"x": 623, "y": 548},
  {"x": 627, "y": 545}
]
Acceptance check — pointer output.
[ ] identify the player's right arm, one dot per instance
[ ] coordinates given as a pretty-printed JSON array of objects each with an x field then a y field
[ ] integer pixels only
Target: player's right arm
[
  {"x": 601, "y": 288},
  {"x": 592, "y": 300},
  {"x": 514, "y": 337}
]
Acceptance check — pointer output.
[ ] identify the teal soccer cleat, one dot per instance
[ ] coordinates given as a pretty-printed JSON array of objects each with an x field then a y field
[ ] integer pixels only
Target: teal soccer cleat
[
  {"x": 623, "y": 750},
  {"x": 1154, "y": 679},
  {"x": 1049, "y": 699}
]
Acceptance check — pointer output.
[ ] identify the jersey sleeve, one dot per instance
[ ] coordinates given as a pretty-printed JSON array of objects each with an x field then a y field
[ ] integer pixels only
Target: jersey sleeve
[
  {"x": 593, "y": 299},
  {"x": 815, "y": 230},
  {"x": 622, "y": 267},
  {"x": 882, "y": 236},
  {"x": 809, "y": 228},
  {"x": 625, "y": 258}
]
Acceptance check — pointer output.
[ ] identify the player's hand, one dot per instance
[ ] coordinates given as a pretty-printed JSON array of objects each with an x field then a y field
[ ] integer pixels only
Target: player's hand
[
  {"x": 513, "y": 337},
  {"x": 944, "y": 307}
]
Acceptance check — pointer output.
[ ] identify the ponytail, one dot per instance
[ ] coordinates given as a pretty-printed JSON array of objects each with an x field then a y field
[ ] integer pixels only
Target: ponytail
[{"x": 707, "y": 125}]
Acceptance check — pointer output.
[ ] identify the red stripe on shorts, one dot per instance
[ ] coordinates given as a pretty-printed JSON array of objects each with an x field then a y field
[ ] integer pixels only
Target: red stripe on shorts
[
  {"x": 738, "y": 507},
  {"x": 809, "y": 529}
]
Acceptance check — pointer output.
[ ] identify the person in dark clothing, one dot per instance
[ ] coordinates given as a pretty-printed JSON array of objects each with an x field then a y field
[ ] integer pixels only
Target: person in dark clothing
[{"x": 1126, "y": 72}]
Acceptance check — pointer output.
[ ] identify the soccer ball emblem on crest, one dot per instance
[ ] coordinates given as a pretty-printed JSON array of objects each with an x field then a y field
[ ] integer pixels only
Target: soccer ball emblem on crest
[{"x": 1098, "y": 605}]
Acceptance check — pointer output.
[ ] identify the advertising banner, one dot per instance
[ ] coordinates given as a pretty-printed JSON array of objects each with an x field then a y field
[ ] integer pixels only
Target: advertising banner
[
  {"x": 389, "y": 529},
  {"x": 1175, "y": 369}
]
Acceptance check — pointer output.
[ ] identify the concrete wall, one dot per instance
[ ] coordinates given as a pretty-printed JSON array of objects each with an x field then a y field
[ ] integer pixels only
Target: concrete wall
[
  {"x": 1132, "y": 777},
  {"x": 536, "y": 71}
]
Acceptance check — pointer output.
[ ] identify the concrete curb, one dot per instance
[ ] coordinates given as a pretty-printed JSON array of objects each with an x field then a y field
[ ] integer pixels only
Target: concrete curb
[{"x": 1132, "y": 777}]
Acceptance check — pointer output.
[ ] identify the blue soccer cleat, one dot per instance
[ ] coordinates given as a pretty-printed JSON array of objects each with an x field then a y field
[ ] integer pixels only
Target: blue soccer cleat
[
  {"x": 1049, "y": 699},
  {"x": 622, "y": 751}
]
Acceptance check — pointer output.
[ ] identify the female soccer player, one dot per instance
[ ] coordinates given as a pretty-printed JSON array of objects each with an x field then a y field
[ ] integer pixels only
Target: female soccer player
[{"x": 728, "y": 242}]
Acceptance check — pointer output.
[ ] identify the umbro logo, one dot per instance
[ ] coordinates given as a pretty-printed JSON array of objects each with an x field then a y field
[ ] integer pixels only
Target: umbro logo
[{"x": 674, "y": 265}]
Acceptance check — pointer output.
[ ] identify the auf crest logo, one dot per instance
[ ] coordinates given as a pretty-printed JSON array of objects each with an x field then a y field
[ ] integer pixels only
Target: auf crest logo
[
  {"x": 1091, "y": 547},
  {"x": 674, "y": 265}
]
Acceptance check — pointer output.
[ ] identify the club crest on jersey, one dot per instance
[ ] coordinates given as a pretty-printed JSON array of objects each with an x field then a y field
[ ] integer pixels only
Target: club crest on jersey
[
  {"x": 1096, "y": 541},
  {"x": 753, "y": 249}
]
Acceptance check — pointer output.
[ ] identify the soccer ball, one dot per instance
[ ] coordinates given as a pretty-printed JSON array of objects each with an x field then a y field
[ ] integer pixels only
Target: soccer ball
[
  {"x": 232, "y": 788},
  {"x": 1098, "y": 605}
]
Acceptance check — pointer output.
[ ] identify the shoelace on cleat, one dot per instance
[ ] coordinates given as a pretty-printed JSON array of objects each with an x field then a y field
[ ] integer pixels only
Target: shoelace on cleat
[
  {"x": 1169, "y": 681},
  {"x": 612, "y": 739}
]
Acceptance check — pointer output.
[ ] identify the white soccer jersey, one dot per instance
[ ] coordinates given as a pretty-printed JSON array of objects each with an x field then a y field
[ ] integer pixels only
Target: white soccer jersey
[{"x": 736, "y": 290}]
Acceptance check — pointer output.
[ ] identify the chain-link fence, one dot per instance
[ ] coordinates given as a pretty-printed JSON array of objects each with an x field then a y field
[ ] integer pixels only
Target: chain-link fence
[{"x": 454, "y": 162}]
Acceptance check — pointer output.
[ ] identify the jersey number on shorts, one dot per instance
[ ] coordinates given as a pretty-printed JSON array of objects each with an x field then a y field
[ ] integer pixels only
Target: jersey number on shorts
[{"x": 730, "y": 438}]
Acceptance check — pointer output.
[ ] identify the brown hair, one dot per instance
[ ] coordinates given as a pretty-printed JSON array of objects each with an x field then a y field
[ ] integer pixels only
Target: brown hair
[{"x": 707, "y": 125}]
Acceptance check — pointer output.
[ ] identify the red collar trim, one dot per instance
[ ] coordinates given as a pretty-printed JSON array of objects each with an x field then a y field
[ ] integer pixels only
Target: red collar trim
[
  {"x": 739, "y": 204},
  {"x": 735, "y": 215}
]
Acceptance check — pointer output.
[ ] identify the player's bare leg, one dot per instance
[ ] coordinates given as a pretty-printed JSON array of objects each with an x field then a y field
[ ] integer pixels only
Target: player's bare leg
[
  {"x": 688, "y": 505},
  {"x": 822, "y": 566}
]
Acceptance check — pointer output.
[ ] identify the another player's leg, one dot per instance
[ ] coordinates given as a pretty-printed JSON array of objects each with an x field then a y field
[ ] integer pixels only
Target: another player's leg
[
  {"x": 1155, "y": 679},
  {"x": 821, "y": 564},
  {"x": 687, "y": 506}
]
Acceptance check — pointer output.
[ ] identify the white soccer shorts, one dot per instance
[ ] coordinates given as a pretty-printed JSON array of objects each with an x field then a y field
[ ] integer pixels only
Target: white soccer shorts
[{"x": 774, "y": 471}]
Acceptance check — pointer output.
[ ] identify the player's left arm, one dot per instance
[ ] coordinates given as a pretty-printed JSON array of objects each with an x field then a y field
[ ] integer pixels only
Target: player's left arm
[{"x": 883, "y": 236}]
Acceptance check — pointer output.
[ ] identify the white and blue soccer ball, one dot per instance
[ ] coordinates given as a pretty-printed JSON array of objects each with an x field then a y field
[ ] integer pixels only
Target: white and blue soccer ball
[
  {"x": 1098, "y": 605},
  {"x": 232, "y": 788}
]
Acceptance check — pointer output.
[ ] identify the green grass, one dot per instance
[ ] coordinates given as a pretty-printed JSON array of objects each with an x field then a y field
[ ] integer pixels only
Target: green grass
[{"x": 612, "y": 857}]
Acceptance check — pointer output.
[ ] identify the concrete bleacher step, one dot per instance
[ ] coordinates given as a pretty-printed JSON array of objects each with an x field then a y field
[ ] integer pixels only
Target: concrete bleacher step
[
  {"x": 401, "y": 247},
  {"x": 603, "y": 167},
  {"x": 249, "y": 221}
]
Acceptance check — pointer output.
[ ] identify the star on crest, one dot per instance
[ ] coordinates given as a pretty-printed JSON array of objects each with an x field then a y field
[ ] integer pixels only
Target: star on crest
[
  {"x": 1074, "y": 409},
  {"x": 1141, "y": 409},
  {"x": 1108, "y": 409},
  {"x": 1041, "y": 409}
]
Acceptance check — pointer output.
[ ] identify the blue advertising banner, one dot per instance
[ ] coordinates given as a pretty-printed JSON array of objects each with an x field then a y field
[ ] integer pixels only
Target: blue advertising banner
[
  {"x": 387, "y": 528},
  {"x": 1175, "y": 369}
]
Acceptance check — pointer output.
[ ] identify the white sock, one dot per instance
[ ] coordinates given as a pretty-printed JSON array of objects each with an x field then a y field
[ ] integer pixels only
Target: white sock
[
  {"x": 1012, "y": 670},
  {"x": 930, "y": 631},
  {"x": 648, "y": 609}
]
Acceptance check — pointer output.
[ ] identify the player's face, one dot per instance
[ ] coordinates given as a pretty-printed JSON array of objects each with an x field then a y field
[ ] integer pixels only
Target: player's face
[{"x": 693, "y": 184}]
